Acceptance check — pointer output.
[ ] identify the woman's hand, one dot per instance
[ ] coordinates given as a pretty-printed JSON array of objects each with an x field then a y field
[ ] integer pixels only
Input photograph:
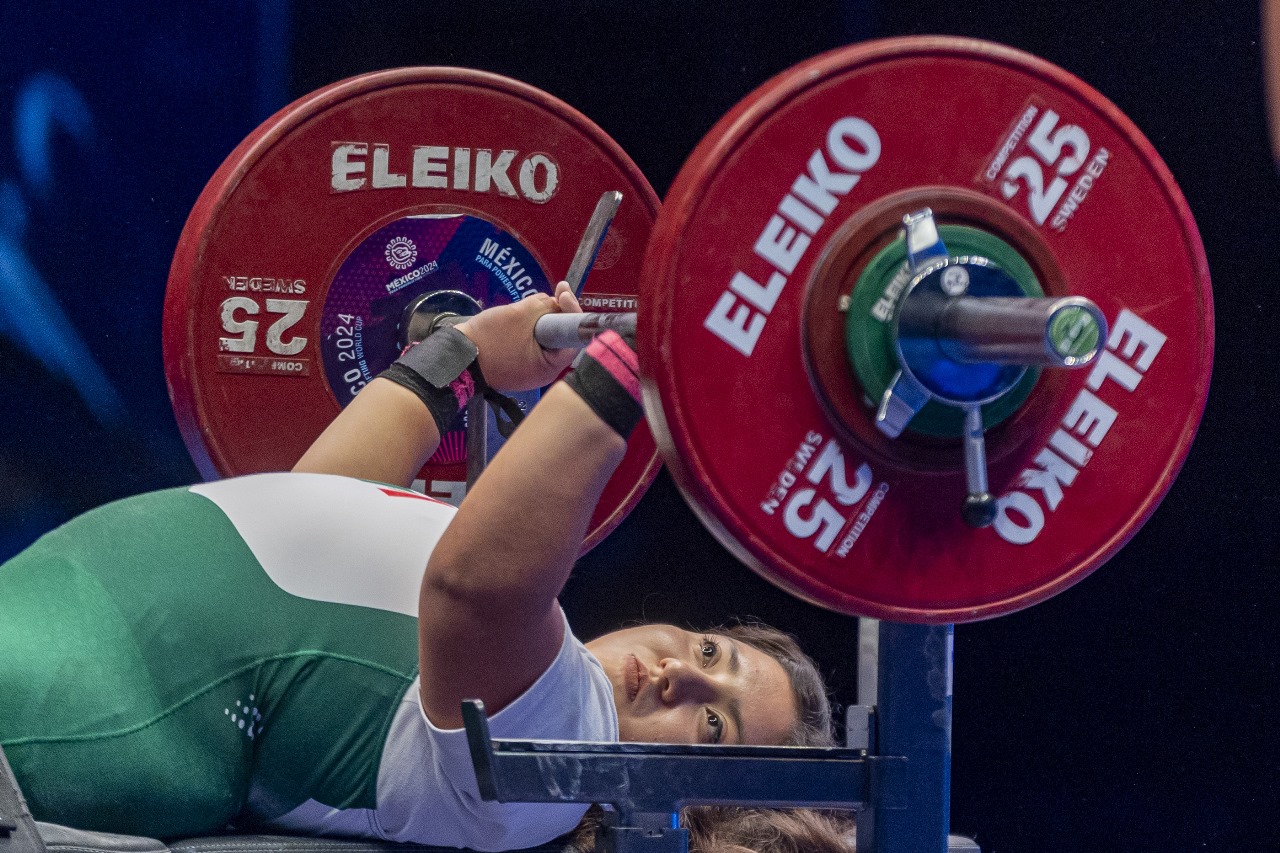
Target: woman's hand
[
  {"x": 510, "y": 358},
  {"x": 386, "y": 433}
]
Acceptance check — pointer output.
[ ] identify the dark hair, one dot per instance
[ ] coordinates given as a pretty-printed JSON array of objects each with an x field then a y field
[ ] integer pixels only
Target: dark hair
[
  {"x": 737, "y": 829},
  {"x": 730, "y": 829},
  {"x": 813, "y": 708}
]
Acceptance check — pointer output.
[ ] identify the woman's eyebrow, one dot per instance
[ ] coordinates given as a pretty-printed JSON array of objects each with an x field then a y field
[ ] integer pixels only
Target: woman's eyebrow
[{"x": 734, "y": 707}]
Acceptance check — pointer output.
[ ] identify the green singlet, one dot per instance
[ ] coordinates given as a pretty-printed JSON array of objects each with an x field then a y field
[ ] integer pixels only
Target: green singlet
[{"x": 169, "y": 659}]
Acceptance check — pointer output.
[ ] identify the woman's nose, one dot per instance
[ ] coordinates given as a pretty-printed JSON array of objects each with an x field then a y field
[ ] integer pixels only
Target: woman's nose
[{"x": 683, "y": 683}]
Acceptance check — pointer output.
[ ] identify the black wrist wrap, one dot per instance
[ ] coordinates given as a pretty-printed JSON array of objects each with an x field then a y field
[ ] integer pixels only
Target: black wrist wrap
[
  {"x": 443, "y": 373},
  {"x": 607, "y": 378}
]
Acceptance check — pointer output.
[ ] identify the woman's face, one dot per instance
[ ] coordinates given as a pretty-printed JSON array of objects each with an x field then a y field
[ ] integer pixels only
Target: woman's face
[{"x": 675, "y": 686}]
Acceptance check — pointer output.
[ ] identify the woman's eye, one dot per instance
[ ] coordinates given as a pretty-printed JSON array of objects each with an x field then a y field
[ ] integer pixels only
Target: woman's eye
[
  {"x": 709, "y": 648},
  {"x": 715, "y": 726}
]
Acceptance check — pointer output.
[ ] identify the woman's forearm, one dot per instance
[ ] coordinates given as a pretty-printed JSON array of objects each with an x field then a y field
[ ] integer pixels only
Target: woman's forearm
[
  {"x": 385, "y": 434},
  {"x": 526, "y": 517}
]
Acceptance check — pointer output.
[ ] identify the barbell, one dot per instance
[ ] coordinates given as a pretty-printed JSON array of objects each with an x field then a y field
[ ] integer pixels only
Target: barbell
[{"x": 848, "y": 311}]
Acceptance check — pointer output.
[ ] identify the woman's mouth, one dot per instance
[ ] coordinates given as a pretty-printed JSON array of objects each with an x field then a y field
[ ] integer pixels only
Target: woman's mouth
[{"x": 633, "y": 676}]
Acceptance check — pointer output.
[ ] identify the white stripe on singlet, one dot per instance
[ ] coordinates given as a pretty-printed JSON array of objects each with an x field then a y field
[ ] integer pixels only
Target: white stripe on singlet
[{"x": 335, "y": 539}]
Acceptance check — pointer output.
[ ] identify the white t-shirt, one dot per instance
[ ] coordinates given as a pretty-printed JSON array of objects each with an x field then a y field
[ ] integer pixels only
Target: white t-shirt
[{"x": 427, "y": 790}]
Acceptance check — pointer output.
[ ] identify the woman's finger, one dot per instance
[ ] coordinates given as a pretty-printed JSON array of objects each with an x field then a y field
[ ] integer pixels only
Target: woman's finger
[{"x": 567, "y": 302}]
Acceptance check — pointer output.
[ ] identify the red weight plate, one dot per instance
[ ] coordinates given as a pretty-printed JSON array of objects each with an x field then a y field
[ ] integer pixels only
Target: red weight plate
[
  {"x": 856, "y": 138},
  {"x": 297, "y": 264}
]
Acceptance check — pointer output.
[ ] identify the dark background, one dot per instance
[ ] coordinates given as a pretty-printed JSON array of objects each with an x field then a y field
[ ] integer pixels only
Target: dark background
[{"x": 1133, "y": 712}]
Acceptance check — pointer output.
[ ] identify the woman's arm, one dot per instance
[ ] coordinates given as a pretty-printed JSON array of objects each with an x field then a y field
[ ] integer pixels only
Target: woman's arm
[
  {"x": 385, "y": 434},
  {"x": 490, "y": 623}
]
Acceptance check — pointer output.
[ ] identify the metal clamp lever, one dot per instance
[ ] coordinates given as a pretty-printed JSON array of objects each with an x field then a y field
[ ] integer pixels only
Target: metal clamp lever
[
  {"x": 554, "y": 333},
  {"x": 965, "y": 332},
  {"x": 592, "y": 238},
  {"x": 569, "y": 331}
]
